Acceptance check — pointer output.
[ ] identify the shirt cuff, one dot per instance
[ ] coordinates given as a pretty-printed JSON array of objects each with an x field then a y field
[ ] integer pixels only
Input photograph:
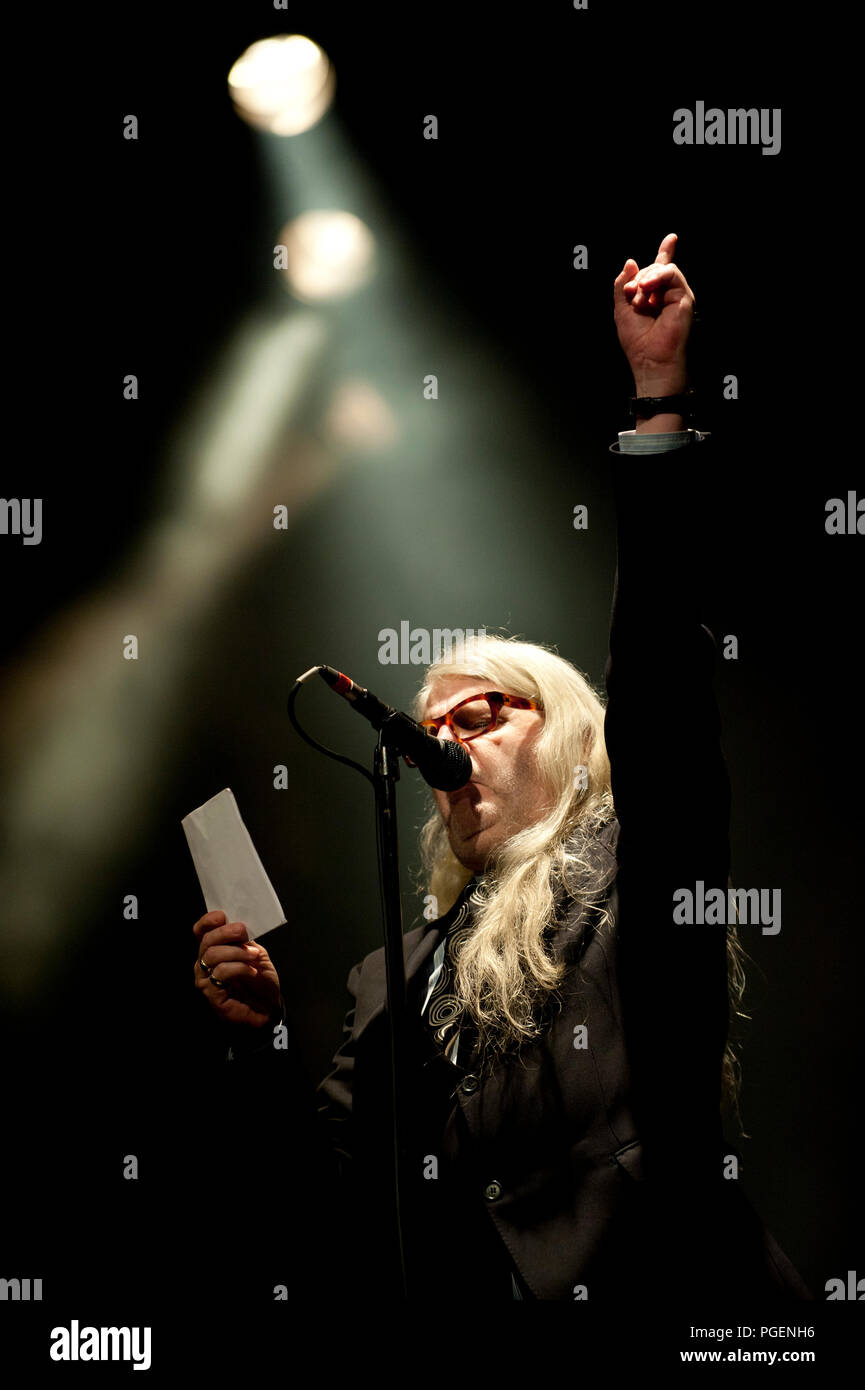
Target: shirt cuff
[{"x": 630, "y": 442}]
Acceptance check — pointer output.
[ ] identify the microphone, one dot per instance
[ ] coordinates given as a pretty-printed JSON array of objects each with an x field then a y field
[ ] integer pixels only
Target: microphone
[{"x": 443, "y": 765}]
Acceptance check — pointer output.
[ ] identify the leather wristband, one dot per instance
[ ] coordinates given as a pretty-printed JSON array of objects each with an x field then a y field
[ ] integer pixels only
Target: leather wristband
[{"x": 684, "y": 405}]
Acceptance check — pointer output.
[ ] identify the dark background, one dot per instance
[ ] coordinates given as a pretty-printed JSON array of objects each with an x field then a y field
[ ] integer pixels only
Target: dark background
[{"x": 554, "y": 129}]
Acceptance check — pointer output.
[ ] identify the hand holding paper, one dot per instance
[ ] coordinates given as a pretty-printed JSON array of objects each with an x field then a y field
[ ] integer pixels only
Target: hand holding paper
[{"x": 238, "y": 978}]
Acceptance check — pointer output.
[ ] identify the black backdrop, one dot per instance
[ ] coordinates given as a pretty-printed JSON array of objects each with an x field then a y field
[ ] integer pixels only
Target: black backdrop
[{"x": 555, "y": 129}]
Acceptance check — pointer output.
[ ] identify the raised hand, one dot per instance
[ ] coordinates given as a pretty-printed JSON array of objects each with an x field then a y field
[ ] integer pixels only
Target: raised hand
[{"x": 654, "y": 309}]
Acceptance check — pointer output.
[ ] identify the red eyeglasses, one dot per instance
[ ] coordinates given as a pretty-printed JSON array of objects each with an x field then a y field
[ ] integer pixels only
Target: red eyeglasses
[{"x": 476, "y": 715}]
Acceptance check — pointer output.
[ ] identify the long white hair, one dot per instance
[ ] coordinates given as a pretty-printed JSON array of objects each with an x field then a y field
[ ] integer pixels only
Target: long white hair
[{"x": 505, "y": 976}]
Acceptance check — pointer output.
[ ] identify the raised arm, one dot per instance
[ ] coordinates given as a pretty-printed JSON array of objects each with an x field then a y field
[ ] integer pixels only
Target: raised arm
[{"x": 669, "y": 776}]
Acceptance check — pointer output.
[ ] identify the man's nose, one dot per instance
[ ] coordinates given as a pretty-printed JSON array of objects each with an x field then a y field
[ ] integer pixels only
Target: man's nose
[{"x": 446, "y": 732}]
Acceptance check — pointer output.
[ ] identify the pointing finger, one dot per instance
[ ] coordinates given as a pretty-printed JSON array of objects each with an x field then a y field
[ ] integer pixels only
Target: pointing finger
[{"x": 667, "y": 249}]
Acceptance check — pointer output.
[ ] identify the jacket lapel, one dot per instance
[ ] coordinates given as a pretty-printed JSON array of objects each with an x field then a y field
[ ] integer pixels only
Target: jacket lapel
[{"x": 418, "y": 947}]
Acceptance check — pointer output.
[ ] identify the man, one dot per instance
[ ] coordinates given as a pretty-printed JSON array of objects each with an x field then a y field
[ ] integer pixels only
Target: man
[{"x": 569, "y": 1053}]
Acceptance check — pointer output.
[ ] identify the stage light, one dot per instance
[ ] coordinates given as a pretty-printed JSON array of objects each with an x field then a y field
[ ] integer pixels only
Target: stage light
[
  {"x": 282, "y": 85},
  {"x": 329, "y": 254}
]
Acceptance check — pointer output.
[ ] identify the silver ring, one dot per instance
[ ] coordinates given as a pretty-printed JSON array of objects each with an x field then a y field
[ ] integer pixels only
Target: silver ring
[{"x": 218, "y": 983}]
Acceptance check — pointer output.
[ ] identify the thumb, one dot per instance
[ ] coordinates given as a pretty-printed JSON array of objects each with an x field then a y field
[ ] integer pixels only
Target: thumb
[{"x": 628, "y": 271}]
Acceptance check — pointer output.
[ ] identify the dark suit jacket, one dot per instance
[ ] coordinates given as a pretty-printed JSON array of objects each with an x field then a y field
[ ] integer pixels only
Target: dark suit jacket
[
  {"x": 591, "y": 1201},
  {"x": 601, "y": 1168}
]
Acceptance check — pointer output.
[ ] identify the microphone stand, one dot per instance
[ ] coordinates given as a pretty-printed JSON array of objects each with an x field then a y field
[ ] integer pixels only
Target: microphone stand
[{"x": 385, "y": 777}]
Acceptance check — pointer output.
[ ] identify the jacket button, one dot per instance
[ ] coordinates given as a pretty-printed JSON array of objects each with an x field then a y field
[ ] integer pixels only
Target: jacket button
[
  {"x": 493, "y": 1191},
  {"x": 469, "y": 1085}
]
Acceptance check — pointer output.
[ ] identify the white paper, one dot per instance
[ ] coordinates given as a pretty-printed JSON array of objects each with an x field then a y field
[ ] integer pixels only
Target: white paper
[{"x": 229, "y": 870}]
